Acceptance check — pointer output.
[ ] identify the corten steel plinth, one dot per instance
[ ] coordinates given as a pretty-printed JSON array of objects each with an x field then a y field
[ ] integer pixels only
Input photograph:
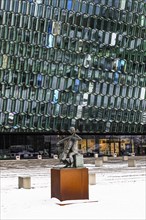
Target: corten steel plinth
[{"x": 69, "y": 183}]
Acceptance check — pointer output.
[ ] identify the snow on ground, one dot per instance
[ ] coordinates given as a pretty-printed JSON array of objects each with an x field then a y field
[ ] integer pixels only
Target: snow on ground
[{"x": 119, "y": 190}]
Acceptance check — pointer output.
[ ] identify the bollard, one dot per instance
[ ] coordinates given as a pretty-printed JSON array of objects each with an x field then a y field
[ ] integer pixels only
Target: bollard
[
  {"x": 104, "y": 158},
  {"x": 131, "y": 162},
  {"x": 55, "y": 156},
  {"x": 115, "y": 155},
  {"x": 92, "y": 178},
  {"x": 98, "y": 162},
  {"x": 125, "y": 158},
  {"x": 24, "y": 182},
  {"x": 17, "y": 157},
  {"x": 96, "y": 155},
  {"x": 39, "y": 157}
]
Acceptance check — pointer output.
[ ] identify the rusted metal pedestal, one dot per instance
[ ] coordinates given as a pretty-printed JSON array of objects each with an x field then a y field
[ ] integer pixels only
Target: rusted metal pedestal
[{"x": 69, "y": 183}]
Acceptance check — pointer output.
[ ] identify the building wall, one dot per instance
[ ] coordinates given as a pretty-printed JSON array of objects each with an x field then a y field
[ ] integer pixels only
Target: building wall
[
  {"x": 98, "y": 143},
  {"x": 72, "y": 63}
]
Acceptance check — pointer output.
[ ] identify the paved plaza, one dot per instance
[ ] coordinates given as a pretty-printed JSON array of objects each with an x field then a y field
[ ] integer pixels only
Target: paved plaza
[
  {"x": 30, "y": 163},
  {"x": 119, "y": 191}
]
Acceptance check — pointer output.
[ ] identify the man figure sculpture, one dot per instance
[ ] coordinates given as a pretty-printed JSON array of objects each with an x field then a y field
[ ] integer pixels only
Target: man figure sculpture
[{"x": 70, "y": 148}]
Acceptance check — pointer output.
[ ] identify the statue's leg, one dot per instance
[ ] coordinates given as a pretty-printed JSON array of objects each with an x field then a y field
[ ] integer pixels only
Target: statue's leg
[
  {"x": 64, "y": 156},
  {"x": 71, "y": 158},
  {"x": 67, "y": 164}
]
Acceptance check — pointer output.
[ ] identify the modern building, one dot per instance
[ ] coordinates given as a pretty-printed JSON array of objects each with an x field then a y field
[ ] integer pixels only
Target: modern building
[{"x": 73, "y": 63}]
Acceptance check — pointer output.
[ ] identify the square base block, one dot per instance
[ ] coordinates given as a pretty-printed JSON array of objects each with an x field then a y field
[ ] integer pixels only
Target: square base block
[
  {"x": 98, "y": 162},
  {"x": 131, "y": 163},
  {"x": 125, "y": 158},
  {"x": 104, "y": 158},
  {"x": 69, "y": 183},
  {"x": 24, "y": 182},
  {"x": 92, "y": 178}
]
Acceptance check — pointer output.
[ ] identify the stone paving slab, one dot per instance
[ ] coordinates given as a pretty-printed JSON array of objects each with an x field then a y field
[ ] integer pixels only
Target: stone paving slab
[{"x": 53, "y": 162}]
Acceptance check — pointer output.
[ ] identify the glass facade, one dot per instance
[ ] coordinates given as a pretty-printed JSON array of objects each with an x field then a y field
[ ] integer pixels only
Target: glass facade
[{"x": 73, "y": 63}]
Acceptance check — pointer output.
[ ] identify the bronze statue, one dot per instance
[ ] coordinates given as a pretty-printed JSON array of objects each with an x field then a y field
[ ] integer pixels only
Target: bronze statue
[{"x": 67, "y": 156}]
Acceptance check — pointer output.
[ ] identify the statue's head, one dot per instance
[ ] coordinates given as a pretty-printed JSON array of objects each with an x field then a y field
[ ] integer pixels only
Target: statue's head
[{"x": 72, "y": 130}]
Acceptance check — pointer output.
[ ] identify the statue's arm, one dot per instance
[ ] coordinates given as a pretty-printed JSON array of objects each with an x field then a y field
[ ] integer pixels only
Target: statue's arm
[
  {"x": 78, "y": 137},
  {"x": 61, "y": 141}
]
